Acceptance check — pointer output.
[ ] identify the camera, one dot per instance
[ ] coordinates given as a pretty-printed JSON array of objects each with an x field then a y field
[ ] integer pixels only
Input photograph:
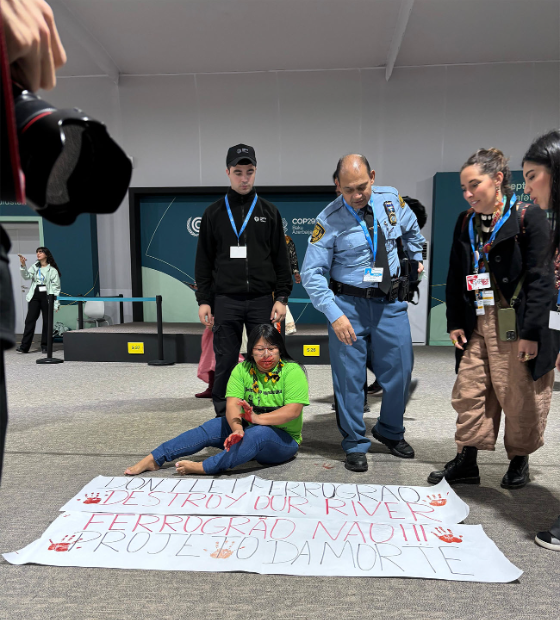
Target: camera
[{"x": 71, "y": 163}]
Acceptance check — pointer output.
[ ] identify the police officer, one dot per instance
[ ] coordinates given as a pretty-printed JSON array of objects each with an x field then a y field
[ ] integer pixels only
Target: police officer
[
  {"x": 356, "y": 239},
  {"x": 242, "y": 268}
]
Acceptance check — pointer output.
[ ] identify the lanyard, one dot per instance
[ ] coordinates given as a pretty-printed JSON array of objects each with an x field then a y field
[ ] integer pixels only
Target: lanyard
[
  {"x": 238, "y": 234},
  {"x": 497, "y": 227},
  {"x": 40, "y": 276},
  {"x": 373, "y": 246}
]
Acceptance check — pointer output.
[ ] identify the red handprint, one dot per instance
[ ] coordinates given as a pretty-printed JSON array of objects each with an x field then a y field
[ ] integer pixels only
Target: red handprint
[
  {"x": 222, "y": 554},
  {"x": 64, "y": 545},
  {"x": 446, "y": 537},
  {"x": 92, "y": 498},
  {"x": 437, "y": 500}
]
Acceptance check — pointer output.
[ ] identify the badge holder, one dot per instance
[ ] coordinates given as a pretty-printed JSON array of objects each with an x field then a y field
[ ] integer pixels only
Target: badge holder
[
  {"x": 507, "y": 318},
  {"x": 554, "y": 317}
]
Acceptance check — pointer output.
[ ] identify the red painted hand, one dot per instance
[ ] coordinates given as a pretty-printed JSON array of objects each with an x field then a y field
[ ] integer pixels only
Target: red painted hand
[
  {"x": 446, "y": 537},
  {"x": 233, "y": 439},
  {"x": 247, "y": 413}
]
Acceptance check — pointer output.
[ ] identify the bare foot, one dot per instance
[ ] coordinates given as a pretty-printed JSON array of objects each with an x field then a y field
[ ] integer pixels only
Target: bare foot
[
  {"x": 189, "y": 467},
  {"x": 146, "y": 464}
]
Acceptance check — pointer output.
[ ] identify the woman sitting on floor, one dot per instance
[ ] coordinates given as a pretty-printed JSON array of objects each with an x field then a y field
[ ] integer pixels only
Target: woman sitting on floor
[{"x": 264, "y": 414}]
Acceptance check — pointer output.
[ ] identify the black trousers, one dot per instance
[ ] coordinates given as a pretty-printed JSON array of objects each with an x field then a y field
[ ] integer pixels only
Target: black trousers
[
  {"x": 38, "y": 304},
  {"x": 3, "y": 410},
  {"x": 231, "y": 312}
]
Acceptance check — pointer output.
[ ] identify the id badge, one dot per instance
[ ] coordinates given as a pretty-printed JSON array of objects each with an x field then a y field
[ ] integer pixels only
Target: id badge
[
  {"x": 42, "y": 289},
  {"x": 488, "y": 297},
  {"x": 478, "y": 281},
  {"x": 373, "y": 274},
  {"x": 554, "y": 320},
  {"x": 479, "y": 307},
  {"x": 238, "y": 251}
]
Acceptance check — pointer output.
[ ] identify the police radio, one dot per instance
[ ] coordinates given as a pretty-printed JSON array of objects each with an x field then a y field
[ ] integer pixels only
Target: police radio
[{"x": 408, "y": 279}]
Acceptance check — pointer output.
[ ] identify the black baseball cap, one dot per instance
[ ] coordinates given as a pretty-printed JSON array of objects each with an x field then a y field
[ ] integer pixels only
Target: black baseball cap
[{"x": 238, "y": 152}]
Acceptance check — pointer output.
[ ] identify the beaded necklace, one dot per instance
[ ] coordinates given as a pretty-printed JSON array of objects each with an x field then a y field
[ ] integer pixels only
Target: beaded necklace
[{"x": 272, "y": 376}]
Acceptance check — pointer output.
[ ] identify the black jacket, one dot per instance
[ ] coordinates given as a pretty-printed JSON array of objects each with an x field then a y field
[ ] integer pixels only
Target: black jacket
[
  {"x": 266, "y": 269},
  {"x": 512, "y": 253}
]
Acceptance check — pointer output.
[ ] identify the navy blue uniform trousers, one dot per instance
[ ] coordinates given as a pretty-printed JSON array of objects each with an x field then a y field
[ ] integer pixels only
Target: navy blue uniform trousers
[{"x": 384, "y": 328}]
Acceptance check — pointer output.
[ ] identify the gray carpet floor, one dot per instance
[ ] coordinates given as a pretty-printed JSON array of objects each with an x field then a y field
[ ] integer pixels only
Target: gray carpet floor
[{"x": 74, "y": 421}]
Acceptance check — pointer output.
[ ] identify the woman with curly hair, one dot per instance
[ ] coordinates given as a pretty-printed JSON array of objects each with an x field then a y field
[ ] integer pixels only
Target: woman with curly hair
[{"x": 499, "y": 288}]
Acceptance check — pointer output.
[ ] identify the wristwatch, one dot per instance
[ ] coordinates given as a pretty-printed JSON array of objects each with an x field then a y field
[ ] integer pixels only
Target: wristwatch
[{"x": 282, "y": 300}]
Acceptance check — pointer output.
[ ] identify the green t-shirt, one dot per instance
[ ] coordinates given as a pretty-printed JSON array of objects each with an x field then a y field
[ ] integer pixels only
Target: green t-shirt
[{"x": 291, "y": 387}]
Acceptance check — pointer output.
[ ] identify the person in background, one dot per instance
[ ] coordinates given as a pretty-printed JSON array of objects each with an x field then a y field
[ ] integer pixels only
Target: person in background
[
  {"x": 498, "y": 292},
  {"x": 265, "y": 396},
  {"x": 242, "y": 269},
  {"x": 45, "y": 280},
  {"x": 541, "y": 170}
]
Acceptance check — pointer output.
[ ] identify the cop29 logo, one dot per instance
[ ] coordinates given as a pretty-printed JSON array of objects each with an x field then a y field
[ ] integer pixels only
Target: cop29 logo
[{"x": 193, "y": 225}]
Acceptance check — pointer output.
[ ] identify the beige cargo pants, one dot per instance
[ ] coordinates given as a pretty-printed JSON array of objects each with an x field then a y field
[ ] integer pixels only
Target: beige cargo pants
[{"x": 491, "y": 379}]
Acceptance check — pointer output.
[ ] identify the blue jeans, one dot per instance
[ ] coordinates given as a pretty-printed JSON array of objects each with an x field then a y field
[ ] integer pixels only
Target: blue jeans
[{"x": 266, "y": 444}]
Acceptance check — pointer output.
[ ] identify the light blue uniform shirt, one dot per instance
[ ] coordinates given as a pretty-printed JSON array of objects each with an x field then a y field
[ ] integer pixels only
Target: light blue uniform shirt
[{"x": 344, "y": 251}]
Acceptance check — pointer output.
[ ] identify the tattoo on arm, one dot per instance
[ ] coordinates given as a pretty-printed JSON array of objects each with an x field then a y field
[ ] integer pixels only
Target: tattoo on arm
[{"x": 237, "y": 421}]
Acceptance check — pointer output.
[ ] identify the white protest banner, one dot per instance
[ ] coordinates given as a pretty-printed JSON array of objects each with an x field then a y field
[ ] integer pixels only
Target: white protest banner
[
  {"x": 265, "y": 545},
  {"x": 256, "y": 496}
]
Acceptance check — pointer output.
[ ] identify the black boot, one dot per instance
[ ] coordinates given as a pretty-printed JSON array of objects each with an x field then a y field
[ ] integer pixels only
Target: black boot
[
  {"x": 517, "y": 475},
  {"x": 462, "y": 468}
]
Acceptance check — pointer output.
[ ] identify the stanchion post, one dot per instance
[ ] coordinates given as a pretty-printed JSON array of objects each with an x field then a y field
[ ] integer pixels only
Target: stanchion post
[
  {"x": 121, "y": 309},
  {"x": 160, "y": 361},
  {"x": 50, "y": 318},
  {"x": 80, "y": 315}
]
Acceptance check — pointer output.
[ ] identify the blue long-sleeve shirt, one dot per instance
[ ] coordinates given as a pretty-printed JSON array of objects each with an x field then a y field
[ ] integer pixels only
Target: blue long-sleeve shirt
[{"x": 340, "y": 247}]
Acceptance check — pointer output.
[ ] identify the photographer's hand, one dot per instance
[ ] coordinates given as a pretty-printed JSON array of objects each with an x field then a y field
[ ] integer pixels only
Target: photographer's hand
[{"x": 33, "y": 44}]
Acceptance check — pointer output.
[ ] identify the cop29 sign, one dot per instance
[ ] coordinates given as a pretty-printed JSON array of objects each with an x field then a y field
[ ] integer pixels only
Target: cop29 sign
[{"x": 170, "y": 226}]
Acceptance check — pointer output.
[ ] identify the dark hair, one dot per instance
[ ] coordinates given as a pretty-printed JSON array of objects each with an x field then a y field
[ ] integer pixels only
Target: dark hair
[
  {"x": 334, "y": 176},
  {"x": 50, "y": 258},
  {"x": 491, "y": 161},
  {"x": 342, "y": 161},
  {"x": 418, "y": 209},
  {"x": 545, "y": 151},
  {"x": 272, "y": 336}
]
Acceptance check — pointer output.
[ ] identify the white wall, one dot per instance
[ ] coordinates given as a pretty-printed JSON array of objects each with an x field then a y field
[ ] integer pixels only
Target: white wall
[{"x": 423, "y": 121}]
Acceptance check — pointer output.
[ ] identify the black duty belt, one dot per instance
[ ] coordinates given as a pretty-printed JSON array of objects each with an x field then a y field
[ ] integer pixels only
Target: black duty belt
[{"x": 371, "y": 292}]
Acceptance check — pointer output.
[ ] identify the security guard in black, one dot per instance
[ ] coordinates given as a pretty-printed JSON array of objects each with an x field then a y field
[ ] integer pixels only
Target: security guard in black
[{"x": 242, "y": 267}]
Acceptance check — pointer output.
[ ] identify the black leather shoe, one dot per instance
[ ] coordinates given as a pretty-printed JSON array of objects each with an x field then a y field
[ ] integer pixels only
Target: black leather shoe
[
  {"x": 517, "y": 475},
  {"x": 356, "y": 461},
  {"x": 20, "y": 350},
  {"x": 397, "y": 447},
  {"x": 462, "y": 468}
]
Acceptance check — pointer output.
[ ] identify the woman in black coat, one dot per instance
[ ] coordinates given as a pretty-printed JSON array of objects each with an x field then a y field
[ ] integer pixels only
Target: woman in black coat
[
  {"x": 541, "y": 170},
  {"x": 498, "y": 294}
]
